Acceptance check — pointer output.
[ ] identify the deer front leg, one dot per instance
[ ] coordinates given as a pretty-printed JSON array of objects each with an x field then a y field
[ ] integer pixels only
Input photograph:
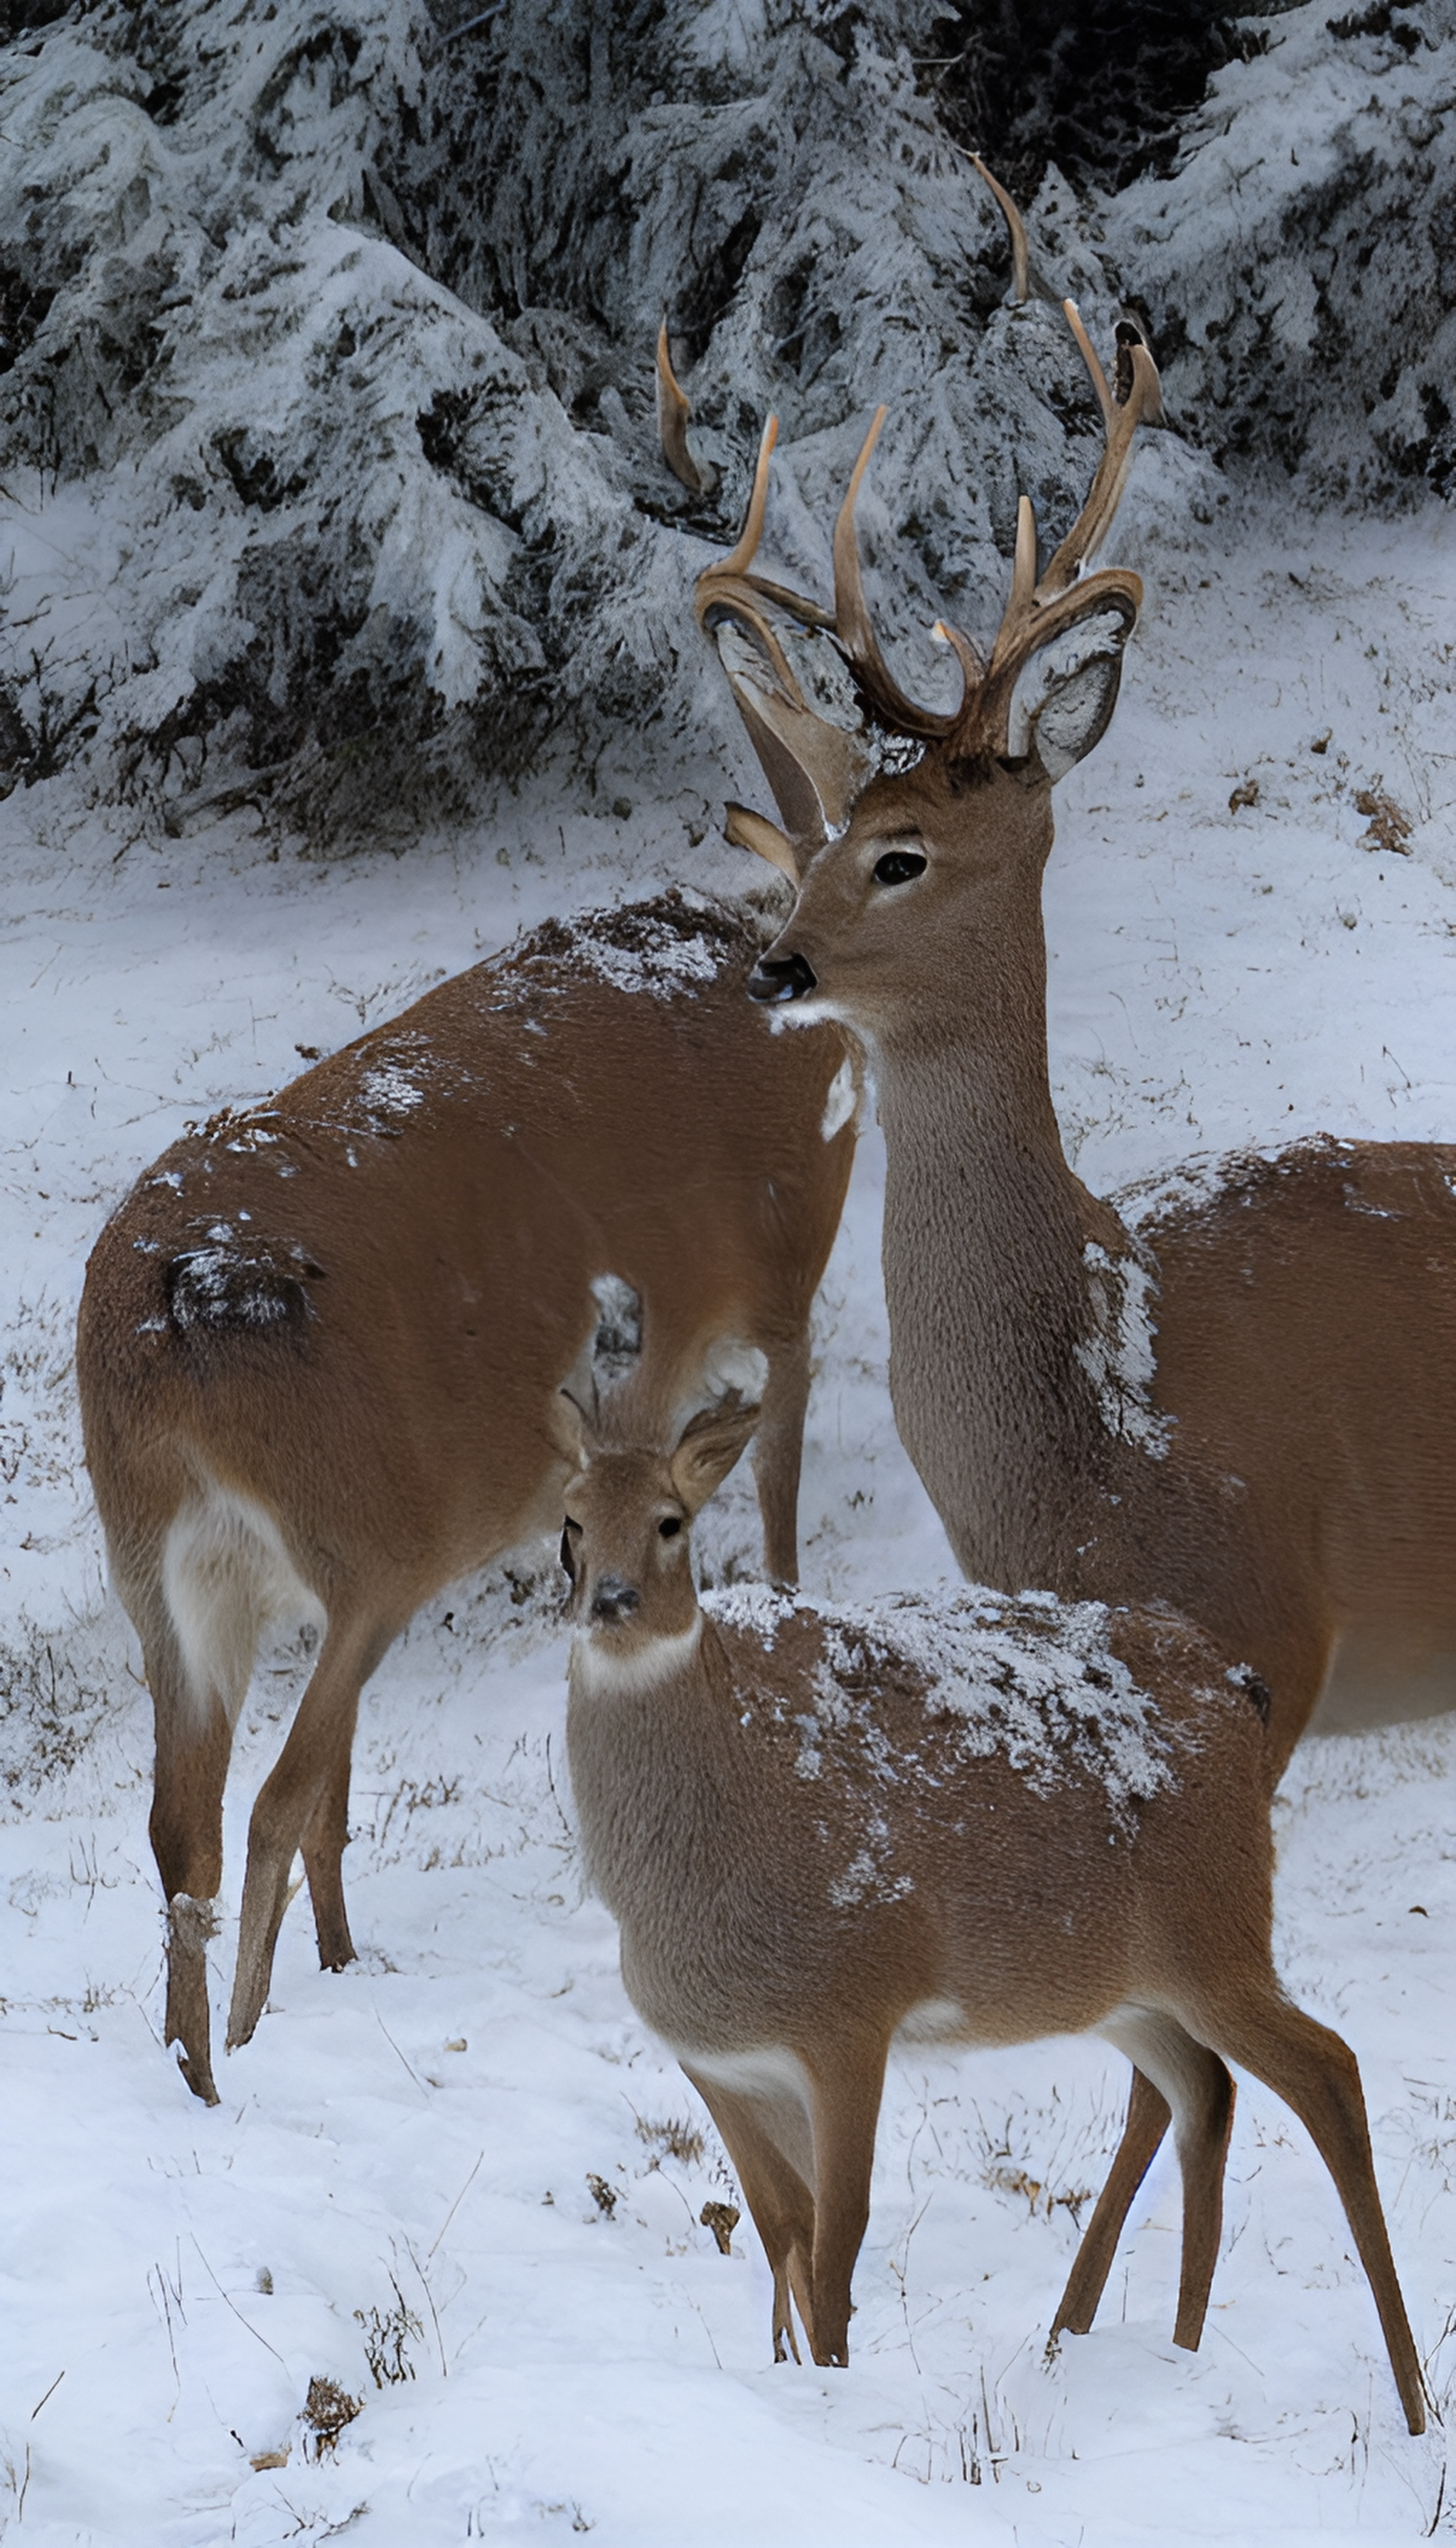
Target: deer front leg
[
  {"x": 323, "y": 1841},
  {"x": 781, "y": 2204},
  {"x": 1316, "y": 2073},
  {"x": 846, "y": 2111},
  {"x": 307, "y": 1792},
  {"x": 779, "y": 1454}
]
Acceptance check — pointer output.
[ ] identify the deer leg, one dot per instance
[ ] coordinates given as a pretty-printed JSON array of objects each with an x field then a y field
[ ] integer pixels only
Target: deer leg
[
  {"x": 193, "y": 1748},
  {"x": 1316, "y": 2073},
  {"x": 305, "y": 1792},
  {"x": 1147, "y": 2121},
  {"x": 779, "y": 1454},
  {"x": 1194, "y": 2083},
  {"x": 323, "y": 1841},
  {"x": 846, "y": 2111},
  {"x": 781, "y": 2202}
]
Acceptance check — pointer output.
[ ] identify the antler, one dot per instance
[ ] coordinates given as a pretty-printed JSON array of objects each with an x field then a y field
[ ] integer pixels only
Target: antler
[
  {"x": 674, "y": 416},
  {"x": 1043, "y": 608},
  {"x": 826, "y": 762}
]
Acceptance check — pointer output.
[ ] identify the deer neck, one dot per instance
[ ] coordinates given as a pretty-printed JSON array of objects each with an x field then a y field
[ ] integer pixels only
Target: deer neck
[
  {"x": 650, "y": 1747},
  {"x": 1020, "y": 1351}
]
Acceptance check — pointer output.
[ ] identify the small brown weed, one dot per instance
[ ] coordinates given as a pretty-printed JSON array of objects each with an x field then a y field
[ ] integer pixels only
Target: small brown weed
[
  {"x": 386, "y": 2334},
  {"x": 722, "y": 2219},
  {"x": 677, "y": 2137},
  {"x": 327, "y": 2408},
  {"x": 1390, "y": 827}
]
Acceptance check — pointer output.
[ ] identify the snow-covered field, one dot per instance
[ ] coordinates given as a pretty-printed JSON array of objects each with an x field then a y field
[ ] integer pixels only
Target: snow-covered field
[{"x": 402, "y": 2167}]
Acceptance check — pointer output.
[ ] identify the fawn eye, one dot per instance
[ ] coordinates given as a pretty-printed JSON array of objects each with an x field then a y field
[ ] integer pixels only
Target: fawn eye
[
  {"x": 669, "y": 1528},
  {"x": 898, "y": 867}
]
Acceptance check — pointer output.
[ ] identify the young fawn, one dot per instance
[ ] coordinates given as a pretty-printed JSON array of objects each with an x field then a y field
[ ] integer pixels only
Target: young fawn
[{"x": 975, "y": 1820}]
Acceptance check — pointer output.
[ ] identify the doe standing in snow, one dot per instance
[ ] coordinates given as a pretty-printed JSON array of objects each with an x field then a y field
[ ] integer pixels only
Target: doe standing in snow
[
  {"x": 320, "y": 1341},
  {"x": 977, "y": 1821}
]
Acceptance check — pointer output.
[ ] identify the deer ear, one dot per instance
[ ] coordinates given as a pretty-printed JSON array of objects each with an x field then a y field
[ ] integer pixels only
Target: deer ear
[
  {"x": 566, "y": 1424},
  {"x": 748, "y": 830},
  {"x": 708, "y": 1448},
  {"x": 797, "y": 705},
  {"x": 1063, "y": 703}
]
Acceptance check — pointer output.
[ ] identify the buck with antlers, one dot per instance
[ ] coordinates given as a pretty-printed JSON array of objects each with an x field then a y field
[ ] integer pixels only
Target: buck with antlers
[
  {"x": 1239, "y": 1395},
  {"x": 321, "y": 1342},
  {"x": 974, "y": 1821}
]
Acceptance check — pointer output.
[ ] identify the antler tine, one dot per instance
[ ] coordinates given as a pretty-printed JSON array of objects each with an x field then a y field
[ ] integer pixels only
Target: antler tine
[
  {"x": 673, "y": 414},
  {"x": 1090, "y": 530},
  {"x": 1040, "y": 609},
  {"x": 1021, "y": 263},
  {"x": 740, "y": 557},
  {"x": 1089, "y": 357},
  {"x": 852, "y": 626}
]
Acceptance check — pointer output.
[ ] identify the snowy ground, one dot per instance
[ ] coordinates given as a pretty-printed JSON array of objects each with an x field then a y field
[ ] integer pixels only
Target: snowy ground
[{"x": 402, "y": 2157}]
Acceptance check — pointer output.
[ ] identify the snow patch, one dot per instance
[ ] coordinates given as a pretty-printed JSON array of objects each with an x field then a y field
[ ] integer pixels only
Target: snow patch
[
  {"x": 1033, "y": 1678},
  {"x": 1118, "y": 1357}
]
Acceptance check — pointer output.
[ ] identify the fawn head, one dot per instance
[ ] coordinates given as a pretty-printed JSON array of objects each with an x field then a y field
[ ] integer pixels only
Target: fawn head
[{"x": 626, "y": 1536}]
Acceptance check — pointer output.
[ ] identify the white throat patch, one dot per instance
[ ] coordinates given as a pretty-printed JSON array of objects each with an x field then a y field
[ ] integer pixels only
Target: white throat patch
[{"x": 600, "y": 1673}]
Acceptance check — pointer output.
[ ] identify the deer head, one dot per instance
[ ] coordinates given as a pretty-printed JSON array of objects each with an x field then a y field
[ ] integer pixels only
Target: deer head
[
  {"x": 891, "y": 809},
  {"x": 626, "y": 1543}
]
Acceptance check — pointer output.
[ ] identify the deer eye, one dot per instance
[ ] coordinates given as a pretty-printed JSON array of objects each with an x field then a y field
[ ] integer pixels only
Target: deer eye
[
  {"x": 898, "y": 867},
  {"x": 669, "y": 1528}
]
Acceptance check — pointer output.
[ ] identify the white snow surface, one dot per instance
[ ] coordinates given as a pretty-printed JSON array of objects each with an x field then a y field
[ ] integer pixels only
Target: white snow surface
[{"x": 412, "y": 2142}]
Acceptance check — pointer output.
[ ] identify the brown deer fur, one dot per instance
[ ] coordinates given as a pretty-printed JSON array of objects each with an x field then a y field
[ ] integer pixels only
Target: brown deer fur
[
  {"x": 812, "y": 1842},
  {"x": 320, "y": 1344}
]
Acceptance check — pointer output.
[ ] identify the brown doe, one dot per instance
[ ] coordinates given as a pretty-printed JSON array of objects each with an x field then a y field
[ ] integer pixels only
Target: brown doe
[
  {"x": 971, "y": 1821},
  {"x": 320, "y": 1344}
]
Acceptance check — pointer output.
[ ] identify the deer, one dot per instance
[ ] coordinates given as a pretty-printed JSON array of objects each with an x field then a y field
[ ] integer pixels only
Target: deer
[
  {"x": 321, "y": 1342},
  {"x": 1232, "y": 1389},
  {"x": 970, "y": 1820}
]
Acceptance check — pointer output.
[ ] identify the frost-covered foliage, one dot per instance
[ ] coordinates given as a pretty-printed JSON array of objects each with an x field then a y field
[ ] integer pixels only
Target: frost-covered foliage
[
  {"x": 325, "y": 340},
  {"x": 1299, "y": 264},
  {"x": 330, "y": 407}
]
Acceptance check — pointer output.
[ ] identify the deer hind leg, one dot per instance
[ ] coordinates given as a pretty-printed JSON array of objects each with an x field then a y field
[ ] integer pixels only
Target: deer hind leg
[
  {"x": 1142, "y": 2132},
  {"x": 220, "y": 1569},
  {"x": 776, "y": 2195},
  {"x": 778, "y": 1451},
  {"x": 304, "y": 1802},
  {"x": 324, "y": 1840},
  {"x": 193, "y": 1742},
  {"x": 1194, "y": 2083},
  {"x": 1316, "y": 2073}
]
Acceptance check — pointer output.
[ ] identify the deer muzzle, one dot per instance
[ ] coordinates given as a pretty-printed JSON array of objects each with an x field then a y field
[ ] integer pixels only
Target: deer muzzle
[
  {"x": 614, "y": 1600},
  {"x": 777, "y": 979}
]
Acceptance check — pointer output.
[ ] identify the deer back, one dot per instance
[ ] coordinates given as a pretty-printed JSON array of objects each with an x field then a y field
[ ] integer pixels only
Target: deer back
[{"x": 354, "y": 1304}]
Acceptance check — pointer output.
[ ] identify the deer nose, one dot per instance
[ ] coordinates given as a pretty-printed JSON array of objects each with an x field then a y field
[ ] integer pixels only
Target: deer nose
[
  {"x": 614, "y": 1600},
  {"x": 782, "y": 977}
]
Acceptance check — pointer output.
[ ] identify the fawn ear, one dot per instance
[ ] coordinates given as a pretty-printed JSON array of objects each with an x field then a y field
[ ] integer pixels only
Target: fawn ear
[
  {"x": 566, "y": 1426},
  {"x": 708, "y": 1447}
]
